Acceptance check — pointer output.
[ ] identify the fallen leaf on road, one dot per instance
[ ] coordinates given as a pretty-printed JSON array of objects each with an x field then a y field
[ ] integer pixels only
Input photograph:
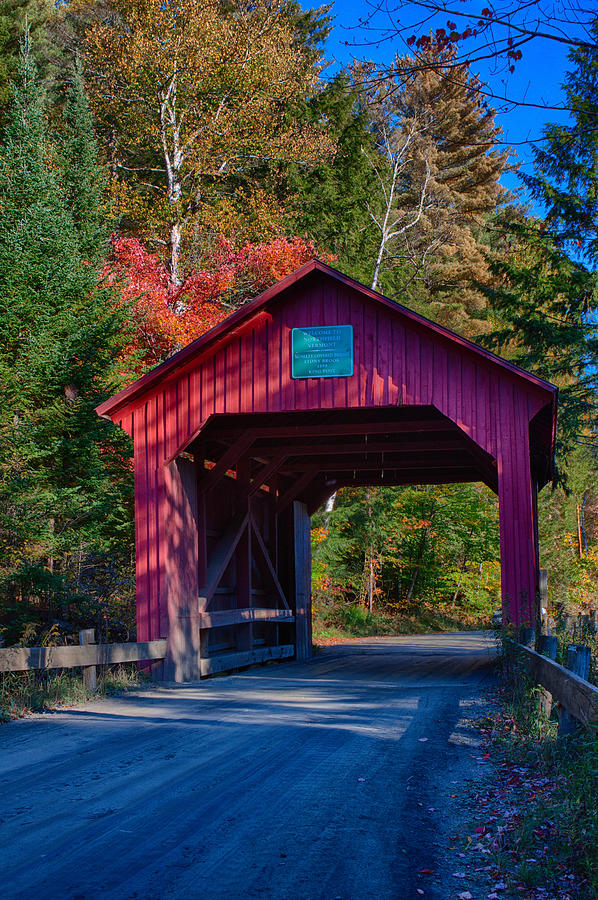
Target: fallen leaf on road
[
  {"x": 421, "y": 740},
  {"x": 459, "y": 875}
]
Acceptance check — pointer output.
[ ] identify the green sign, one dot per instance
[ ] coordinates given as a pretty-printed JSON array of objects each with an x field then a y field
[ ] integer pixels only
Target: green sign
[{"x": 325, "y": 352}]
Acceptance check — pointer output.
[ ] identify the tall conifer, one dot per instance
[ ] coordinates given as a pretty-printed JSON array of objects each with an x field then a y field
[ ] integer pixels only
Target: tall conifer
[{"x": 59, "y": 334}]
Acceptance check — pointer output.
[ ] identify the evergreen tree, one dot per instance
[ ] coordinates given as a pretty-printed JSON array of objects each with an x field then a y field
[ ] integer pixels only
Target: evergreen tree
[
  {"x": 16, "y": 16},
  {"x": 545, "y": 299},
  {"x": 332, "y": 198},
  {"x": 63, "y": 491},
  {"x": 84, "y": 180},
  {"x": 542, "y": 303},
  {"x": 565, "y": 180}
]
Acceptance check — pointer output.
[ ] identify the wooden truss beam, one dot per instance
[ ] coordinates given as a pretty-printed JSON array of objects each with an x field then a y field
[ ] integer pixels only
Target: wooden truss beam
[
  {"x": 267, "y": 472},
  {"x": 296, "y": 432},
  {"x": 222, "y": 617},
  {"x": 367, "y": 448},
  {"x": 373, "y": 465},
  {"x": 221, "y": 556},
  {"x": 229, "y": 458}
]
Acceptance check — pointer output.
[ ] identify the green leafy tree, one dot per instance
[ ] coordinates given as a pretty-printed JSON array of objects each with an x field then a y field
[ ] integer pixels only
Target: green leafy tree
[
  {"x": 191, "y": 98},
  {"x": 398, "y": 549}
]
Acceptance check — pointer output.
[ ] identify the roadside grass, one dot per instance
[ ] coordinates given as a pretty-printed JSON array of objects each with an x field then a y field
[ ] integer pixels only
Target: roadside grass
[
  {"x": 337, "y": 622},
  {"x": 545, "y": 842},
  {"x": 22, "y": 693}
]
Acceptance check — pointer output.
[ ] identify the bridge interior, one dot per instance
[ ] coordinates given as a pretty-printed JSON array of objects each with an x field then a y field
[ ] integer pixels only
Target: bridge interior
[{"x": 259, "y": 479}]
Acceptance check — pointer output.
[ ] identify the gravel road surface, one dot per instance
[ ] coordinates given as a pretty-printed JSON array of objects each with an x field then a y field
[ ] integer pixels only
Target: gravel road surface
[{"x": 326, "y": 780}]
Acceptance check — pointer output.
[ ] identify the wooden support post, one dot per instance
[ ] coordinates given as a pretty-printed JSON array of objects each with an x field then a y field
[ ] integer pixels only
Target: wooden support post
[
  {"x": 518, "y": 558},
  {"x": 243, "y": 558},
  {"x": 302, "y": 560},
  {"x": 182, "y": 661},
  {"x": 547, "y": 646},
  {"x": 578, "y": 661},
  {"x": 90, "y": 679}
]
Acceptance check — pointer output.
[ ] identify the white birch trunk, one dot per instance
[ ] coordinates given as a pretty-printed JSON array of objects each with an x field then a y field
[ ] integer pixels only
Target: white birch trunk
[{"x": 170, "y": 139}]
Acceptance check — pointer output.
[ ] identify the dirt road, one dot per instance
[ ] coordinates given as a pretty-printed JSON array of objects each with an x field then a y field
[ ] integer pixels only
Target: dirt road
[{"x": 329, "y": 779}]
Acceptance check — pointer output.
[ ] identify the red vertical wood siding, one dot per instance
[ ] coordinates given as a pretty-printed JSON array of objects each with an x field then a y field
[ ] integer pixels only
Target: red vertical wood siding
[{"x": 397, "y": 362}]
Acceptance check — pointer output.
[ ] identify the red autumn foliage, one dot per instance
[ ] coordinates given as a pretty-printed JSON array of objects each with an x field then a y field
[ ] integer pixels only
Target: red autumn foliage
[{"x": 166, "y": 317}]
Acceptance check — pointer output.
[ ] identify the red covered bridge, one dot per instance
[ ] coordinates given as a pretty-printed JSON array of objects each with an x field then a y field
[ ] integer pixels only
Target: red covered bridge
[{"x": 317, "y": 383}]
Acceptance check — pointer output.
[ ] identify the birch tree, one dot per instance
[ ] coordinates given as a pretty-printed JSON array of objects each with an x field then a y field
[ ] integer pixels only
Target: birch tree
[
  {"x": 191, "y": 93},
  {"x": 438, "y": 174}
]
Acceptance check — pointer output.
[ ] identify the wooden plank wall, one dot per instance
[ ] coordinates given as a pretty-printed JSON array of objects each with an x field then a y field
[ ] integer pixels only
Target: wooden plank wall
[{"x": 397, "y": 362}]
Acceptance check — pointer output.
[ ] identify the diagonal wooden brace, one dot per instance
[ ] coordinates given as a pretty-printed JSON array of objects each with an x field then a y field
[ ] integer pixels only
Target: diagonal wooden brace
[
  {"x": 221, "y": 556},
  {"x": 268, "y": 561}
]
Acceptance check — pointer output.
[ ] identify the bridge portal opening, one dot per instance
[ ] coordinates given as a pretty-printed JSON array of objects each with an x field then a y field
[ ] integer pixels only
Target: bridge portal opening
[{"x": 243, "y": 434}]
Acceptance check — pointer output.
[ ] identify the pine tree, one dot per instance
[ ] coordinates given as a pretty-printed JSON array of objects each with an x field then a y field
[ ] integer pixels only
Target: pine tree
[
  {"x": 542, "y": 303},
  {"x": 438, "y": 141},
  {"x": 565, "y": 180},
  {"x": 62, "y": 486},
  {"x": 16, "y": 16},
  {"x": 84, "y": 180},
  {"x": 331, "y": 198},
  {"x": 545, "y": 298}
]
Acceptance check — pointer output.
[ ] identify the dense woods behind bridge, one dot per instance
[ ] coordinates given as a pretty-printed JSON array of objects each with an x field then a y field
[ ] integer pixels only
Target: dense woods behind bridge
[{"x": 84, "y": 315}]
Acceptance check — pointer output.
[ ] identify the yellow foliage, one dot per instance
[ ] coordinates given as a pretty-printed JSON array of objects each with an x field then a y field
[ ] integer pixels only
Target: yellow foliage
[{"x": 190, "y": 94}]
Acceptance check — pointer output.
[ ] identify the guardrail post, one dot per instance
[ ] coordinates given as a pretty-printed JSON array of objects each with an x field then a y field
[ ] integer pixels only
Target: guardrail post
[
  {"x": 527, "y": 636},
  {"x": 90, "y": 679},
  {"x": 578, "y": 660},
  {"x": 547, "y": 646}
]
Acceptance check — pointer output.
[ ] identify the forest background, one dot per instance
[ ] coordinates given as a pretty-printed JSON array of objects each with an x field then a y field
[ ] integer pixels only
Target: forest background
[{"x": 163, "y": 162}]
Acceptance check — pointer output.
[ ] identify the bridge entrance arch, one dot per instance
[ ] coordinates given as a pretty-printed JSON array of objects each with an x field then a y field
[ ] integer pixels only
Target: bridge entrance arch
[{"x": 317, "y": 383}]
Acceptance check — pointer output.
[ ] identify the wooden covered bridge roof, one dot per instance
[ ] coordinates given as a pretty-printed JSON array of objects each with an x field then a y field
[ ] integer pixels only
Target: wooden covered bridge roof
[{"x": 424, "y": 404}]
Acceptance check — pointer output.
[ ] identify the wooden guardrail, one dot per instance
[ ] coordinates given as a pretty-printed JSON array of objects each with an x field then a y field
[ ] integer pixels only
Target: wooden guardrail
[
  {"x": 575, "y": 694},
  {"x": 20, "y": 659},
  {"x": 89, "y": 655}
]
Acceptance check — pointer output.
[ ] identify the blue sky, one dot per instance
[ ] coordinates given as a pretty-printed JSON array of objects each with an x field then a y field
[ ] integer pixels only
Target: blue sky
[{"x": 537, "y": 78}]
